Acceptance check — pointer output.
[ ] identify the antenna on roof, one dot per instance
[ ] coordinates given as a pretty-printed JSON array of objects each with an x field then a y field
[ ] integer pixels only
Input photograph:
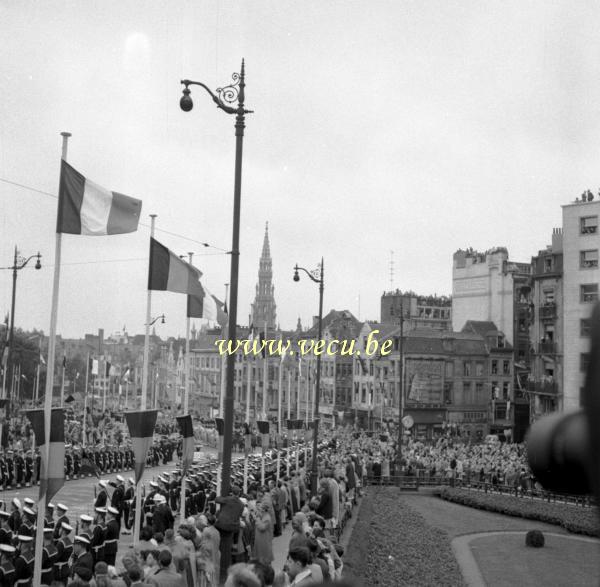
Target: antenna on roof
[{"x": 391, "y": 270}]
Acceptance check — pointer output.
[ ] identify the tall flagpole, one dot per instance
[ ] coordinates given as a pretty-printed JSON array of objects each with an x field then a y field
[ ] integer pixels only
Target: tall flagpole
[
  {"x": 138, "y": 489},
  {"x": 279, "y": 386},
  {"x": 85, "y": 394},
  {"x": 298, "y": 390},
  {"x": 62, "y": 386},
  {"x": 39, "y": 540}
]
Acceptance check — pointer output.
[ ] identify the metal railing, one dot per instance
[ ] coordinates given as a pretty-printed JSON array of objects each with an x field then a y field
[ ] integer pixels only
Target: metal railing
[{"x": 414, "y": 482}]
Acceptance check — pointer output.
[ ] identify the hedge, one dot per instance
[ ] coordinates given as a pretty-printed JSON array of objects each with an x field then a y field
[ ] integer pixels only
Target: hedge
[{"x": 575, "y": 519}]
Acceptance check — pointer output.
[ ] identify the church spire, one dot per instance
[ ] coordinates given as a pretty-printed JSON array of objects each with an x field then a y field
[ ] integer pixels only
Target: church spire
[{"x": 264, "y": 308}]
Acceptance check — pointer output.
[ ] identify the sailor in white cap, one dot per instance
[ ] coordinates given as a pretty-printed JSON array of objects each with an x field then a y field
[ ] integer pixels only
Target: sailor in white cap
[
  {"x": 97, "y": 541},
  {"x": 86, "y": 526},
  {"x": 6, "y": 533},
  {"x": 7, "y": 569},
  {"x": 118, "y": 497},
  {"x": 27, "y": 523},
  {"x": 64, "y": 547},
  {"x": 29, "y": 503},
  {"x": 128, "y": 505},
  {"x": 15, "y": 514},
  {"x": 49, "y": 516},
  {"x": 24, "y": 562},
  {"x": 111, "y": 537},
  {"x": 81, "y": 557},
  {"x": 62, "y": 518},
  {"x": 49, "y": 557},
  {"x": 102, "y": 497}
]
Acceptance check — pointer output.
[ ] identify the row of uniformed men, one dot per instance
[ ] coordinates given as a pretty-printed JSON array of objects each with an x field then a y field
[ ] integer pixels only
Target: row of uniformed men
[{"x": 62, "y": 557}]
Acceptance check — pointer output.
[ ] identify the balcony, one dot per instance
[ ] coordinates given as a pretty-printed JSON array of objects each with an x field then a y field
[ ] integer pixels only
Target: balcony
[
  {"x": 548, "y": 311},
  {"x": 547, "y": 348},
  {"x": 543, "y": 387}
]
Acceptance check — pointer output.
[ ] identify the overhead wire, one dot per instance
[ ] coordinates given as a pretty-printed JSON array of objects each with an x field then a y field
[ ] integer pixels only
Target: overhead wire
[{"x": 175, "y": 234}]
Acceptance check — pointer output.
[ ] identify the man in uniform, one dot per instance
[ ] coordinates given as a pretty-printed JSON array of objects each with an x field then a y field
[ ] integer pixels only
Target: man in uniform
[
  {"x": 49, "y": 516},
  {"x": 7, "y": 569},
  {"x": 19, "y": 468},
  {"x": 64, "y": 550},
  {"x": 118, "y": 497},
  {"x": 102, "y": 497},
  {"x": 68, "y": 462},
  {"x": 62, "y": 519},
  {"x": 81, "y": 557},
  {"x": 49, "y": 557},
  {"x": 86, "y": 526},
  {"x": 28, "y": 522},
  {"x": 15, "y": 514},
  {"x": 24, "y": 562},
  {"x": 6, "y": 535},
  {"x": 98, "y": 534},
  {"x": 111, "y": 539},
  {"x": 28, "y": 468}
]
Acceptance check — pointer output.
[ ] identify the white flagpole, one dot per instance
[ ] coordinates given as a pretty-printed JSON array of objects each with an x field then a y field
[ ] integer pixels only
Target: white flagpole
[
  {"x": 298, "y": 390},
  {"x": 126, "y": 391},
  {"x": 138, "y": 496},
  {"x": 289, "y": 415},
  {"x": 62, "y": 387},
  {"x": 85, "y": 394},
  {"x": 186, "y": 390},
  {"x": 104, "y": 386},
  {"x": 39, "y": 541}
]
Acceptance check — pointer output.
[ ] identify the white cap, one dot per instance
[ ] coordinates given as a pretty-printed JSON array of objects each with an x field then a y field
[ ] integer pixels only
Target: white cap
[
  {"x": 87, "y": 519},
  {"x": 22, "y": 538},
  {"x": 103, "y": 484},
  {"x": 7, "y": 548},
  {"x": 101, "y": 510},
  {"x": 66, "y": 526},
  {"x": 131, "y": 480},
  {"x": 119, "y": 478},
  {"x": 81, "y": 540},
  {"x": 29, "y": 501},
  {"x": 158, "y": 498},
  {"x": 28, "y": 511},
  {"x": 16, "y": 502},
  {"x": 63, "y": 507},
  {"x": 50, "y": 505},
  {"x": 111, "y": 510}
]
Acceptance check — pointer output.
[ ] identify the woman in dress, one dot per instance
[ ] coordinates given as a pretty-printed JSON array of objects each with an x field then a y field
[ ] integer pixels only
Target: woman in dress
[{"x": 263, "y": 535}]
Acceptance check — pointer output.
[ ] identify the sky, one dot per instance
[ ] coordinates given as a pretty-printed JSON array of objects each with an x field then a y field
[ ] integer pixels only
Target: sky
[{"x": 378, "y": 126}]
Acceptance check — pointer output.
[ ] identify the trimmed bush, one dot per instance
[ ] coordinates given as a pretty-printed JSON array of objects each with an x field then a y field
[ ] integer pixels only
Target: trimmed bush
[
  {"x": 575, "y": 519},
  {"x": 535, "y": 539}
]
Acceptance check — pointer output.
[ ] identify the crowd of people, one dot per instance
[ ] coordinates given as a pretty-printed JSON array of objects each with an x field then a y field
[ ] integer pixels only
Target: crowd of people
[{"x": 219, "y": 539}]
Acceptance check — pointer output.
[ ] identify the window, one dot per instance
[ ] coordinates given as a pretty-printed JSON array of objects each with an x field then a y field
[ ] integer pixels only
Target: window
[
  {"x": 449, "y": 369},
  {"x": 494, "y": 368},
  {"x": 479, "y": 368},
  {"x": 495, "y": 390},
  {"x": 467, "y": 368},
  {"x": 584, "y": 361},
  {"x": 505, "y": 390},
  {"x": 500, "y": 342},
  {"x": 584, "y": 327},
  {"x": 506, "y": 368},
  {"x": 548, "y": 296},
  {"x": 588, "y": 259},
  {"x": 589, "y": 292},
  {"x": 548, "y": 265},
  {"x": 479, "y": 389},
  {"x": 588, "y": 224}
]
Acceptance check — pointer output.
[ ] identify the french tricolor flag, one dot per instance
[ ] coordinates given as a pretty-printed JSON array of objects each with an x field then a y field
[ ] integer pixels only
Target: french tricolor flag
[{"x": 87, "y": 208}]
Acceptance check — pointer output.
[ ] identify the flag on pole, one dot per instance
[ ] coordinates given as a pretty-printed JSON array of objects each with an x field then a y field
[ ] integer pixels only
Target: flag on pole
[
  {"x": 187, "y": 449},
  {"x": 141, "y": 429},
  {"x": 87, "y": 208},
  {"x": 42, "y": 361},
  {"x": 170, "y": 273},
  {"x": 207, "y": 306},
  {"x": 52, "y": 474},
  {"x": 94, "y": 365}
]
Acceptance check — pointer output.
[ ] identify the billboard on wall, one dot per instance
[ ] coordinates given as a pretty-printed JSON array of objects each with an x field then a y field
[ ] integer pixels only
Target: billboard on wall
[{"x": 424, "y": 381}]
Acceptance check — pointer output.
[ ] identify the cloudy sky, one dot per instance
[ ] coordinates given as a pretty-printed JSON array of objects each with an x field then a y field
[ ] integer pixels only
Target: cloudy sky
[{"x": 405, "y": 126}]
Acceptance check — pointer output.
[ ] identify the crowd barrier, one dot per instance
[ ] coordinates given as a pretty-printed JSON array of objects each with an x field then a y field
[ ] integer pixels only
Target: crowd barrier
[{"x": 414, "y": 482}]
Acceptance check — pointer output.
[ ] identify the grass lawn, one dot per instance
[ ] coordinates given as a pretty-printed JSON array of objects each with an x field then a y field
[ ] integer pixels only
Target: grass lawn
[{"x": 505, "y": 561}]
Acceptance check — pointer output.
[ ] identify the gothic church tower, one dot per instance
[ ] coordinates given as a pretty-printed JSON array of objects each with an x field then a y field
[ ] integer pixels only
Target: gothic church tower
[{"x": 263, "y": 308}]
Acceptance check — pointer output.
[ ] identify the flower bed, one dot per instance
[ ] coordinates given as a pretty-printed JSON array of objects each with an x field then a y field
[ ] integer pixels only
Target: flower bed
[
  {"x": 391, "y": 544},
  {"x": 574, "y": 519}
]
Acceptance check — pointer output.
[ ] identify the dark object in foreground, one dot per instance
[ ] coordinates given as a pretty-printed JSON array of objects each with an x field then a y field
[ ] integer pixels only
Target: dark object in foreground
[
  {"x": 564, "y": 449},
  {"x": 534, "y": 538}
]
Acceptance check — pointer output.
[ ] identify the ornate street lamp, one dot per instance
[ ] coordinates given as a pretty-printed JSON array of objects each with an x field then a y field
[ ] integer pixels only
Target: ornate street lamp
[
  {"x": 225, "y": 98},
  {"x": 18, "y": 264},
  {"x": 318, "y": 276}
]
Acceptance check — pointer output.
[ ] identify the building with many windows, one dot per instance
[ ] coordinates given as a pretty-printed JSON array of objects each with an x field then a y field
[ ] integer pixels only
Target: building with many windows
[{"x": 581, "y": 279}]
